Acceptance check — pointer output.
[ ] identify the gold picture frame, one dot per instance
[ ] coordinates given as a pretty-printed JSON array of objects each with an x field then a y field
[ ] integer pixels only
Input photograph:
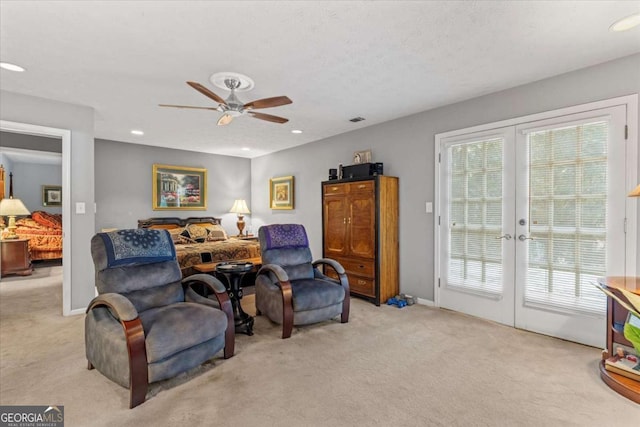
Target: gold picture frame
[
  {"x": 179, "y": 188},
  {"x": 281, "y": 192},
  {"x": 51, "y": 195}
]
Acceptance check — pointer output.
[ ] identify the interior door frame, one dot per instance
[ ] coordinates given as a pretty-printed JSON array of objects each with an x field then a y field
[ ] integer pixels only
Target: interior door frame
[
  {"x": 65, "y": 135},
  {"x": 632, "y": 165}
]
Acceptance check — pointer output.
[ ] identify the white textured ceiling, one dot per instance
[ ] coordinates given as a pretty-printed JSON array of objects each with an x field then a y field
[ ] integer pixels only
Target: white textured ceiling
[{"x": 336, "y": 60}]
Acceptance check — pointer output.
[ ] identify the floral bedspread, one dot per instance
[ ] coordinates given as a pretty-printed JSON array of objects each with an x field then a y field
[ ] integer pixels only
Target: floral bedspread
[{"x": 225, "y": 250}]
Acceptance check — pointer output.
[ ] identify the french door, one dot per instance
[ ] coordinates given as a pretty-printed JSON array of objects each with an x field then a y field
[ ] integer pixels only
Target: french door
[{"x": 530, "y": 215}]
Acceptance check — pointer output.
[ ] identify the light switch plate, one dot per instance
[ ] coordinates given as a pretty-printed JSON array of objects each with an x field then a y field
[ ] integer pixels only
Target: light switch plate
[
  {"x": 80, "y": 208},
  {"x": 429, "y": 207}
]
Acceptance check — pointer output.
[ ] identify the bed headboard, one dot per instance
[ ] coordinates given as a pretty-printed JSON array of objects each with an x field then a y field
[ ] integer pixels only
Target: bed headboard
[{"x": 174, "y": 222}]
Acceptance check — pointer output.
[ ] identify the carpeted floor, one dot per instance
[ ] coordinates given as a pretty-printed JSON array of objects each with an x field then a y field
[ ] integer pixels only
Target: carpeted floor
[{"x": 415, "y": 366}]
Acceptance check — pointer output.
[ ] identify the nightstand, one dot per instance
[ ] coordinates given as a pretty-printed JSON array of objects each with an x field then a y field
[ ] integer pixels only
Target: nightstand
[{"x": 14, "y": 257}]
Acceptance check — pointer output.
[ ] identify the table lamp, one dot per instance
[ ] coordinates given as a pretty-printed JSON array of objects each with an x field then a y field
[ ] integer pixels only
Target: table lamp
[
  {"x": 635, "y": 192},
  {"x": 240, "y": 207},
  {"x": 12, "y": 207}
]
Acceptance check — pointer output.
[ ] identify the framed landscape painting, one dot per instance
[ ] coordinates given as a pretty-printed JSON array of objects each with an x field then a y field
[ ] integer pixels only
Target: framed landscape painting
[
  {"x": 179, "y": 188},
  {"x": 281, "y": 192},
  {"x": 51, "y": 195}
]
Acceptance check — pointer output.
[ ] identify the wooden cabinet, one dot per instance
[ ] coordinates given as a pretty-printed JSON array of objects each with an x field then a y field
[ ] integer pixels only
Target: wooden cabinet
[
  {"x": 360, "y": 231},
  {"x": 14, "y": 257}
]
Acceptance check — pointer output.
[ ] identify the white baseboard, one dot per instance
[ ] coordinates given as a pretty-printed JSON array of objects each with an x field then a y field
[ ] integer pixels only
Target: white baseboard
[{"x": 426, "y": 302}]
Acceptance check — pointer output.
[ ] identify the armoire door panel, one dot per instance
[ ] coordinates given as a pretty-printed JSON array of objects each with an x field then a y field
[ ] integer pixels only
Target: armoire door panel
[
  {"x": 335, "y": 226},
  {"x": 362, "y": 217}
]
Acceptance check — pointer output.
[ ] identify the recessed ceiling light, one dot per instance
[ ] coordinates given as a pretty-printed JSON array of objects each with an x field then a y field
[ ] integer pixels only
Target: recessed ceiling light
[
  {"x": 296, "y": 131},
  {"x": 246, "y": 149},
  {"x": 625, "y": 24},
  {"x": 137, "y": 132},
  {"x": 11, "y": 67}
]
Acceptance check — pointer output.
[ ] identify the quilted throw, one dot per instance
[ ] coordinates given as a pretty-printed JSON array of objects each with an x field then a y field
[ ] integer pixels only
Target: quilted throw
[
  {"x": 137, "y": 246},
  {"x": 285, "y": 236}
]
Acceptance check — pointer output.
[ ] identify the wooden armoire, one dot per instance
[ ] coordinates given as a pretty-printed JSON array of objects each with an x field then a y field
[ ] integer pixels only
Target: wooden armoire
[{"x": 360, "y": 231}]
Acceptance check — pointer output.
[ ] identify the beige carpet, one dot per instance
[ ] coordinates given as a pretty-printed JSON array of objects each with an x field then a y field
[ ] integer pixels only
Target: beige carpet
[{"x": 415, "y": 366}]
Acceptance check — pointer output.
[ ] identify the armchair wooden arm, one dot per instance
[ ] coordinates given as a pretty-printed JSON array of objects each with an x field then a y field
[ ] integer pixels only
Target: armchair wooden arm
[
  {"x": 134, "y": 335},
  {"x": 287, "y": 300}
]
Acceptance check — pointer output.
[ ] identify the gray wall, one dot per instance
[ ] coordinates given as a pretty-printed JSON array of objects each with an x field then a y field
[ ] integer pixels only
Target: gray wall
[
  {"x": 28, "y": 179},
  {"x": 30, "y": 142},
  {"x": 79, "y": 119},
  {"x": 406, "y": 146},
  {"x": 124, "y": 183}
]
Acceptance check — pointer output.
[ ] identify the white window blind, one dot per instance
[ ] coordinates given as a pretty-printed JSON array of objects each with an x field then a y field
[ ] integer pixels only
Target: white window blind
[
  {"x": 475, "y": 216},
  {"x": 567, "y": 216}
]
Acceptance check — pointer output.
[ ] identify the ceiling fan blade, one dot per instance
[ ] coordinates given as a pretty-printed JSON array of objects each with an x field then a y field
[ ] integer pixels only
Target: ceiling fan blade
[
  {"x": 206, "y": 92},
  {"x": 276, "y": 101},
  {"x": 187, "y": 106},
  {"x": 268, "y": 117},
  {"x": 225, "y": 119}
]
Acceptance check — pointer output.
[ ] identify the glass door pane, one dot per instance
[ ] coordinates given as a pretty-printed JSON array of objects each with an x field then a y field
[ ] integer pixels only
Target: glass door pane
[
  {"x": 570, "y": 208},
  {"x": 477, "y": 220}
]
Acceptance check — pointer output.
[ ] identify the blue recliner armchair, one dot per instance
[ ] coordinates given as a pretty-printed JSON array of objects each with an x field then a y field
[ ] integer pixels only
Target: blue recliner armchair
[
  {"x": 147, "y": 324},
  {"x": 290, "y": 289}
]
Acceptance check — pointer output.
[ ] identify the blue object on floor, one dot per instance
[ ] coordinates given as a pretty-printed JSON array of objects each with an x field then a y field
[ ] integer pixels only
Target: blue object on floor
[{"x": 397, "y": 302}]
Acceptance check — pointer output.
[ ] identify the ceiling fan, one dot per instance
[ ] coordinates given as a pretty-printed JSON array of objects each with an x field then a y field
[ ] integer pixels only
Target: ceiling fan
[{"x": 232, "y": 107}]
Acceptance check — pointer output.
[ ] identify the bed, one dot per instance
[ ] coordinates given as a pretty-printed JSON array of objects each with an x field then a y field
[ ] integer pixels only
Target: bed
[
  {"x": 44, "y": 231},
  {"x": 201, "y": 240}
]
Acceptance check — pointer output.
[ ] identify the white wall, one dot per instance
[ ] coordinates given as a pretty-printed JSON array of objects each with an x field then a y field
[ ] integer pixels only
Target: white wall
[
  {"x": 405, "y": 146},
  {"x": 79, "y": 119}
]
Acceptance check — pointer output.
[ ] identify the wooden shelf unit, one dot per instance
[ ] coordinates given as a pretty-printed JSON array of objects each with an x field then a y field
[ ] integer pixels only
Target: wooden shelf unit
[{"x": 616, "y": 317}]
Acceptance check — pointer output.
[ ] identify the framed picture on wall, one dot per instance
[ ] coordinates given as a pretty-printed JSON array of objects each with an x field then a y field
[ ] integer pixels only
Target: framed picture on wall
[
  {"x": 281, "y": 192},
  {"x": 51, "y": 195},
  {"x": 179, "y": 188}
]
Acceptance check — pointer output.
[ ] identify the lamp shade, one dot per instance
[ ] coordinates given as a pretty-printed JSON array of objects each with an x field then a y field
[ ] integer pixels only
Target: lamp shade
[
  {"x": 13, "y": 207},
  {"x": 635, "y": 192},
  {"x": 240, "y": 207}
]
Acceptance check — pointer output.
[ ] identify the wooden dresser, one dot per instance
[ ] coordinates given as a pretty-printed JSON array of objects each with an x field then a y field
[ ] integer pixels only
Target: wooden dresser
[
  {"x": 360, "y": 231},
  {"x": 14, "y": 257}
]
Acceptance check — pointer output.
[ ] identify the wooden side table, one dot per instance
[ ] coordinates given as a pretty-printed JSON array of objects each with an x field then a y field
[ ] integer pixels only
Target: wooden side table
[
  {"x": 14, "y": 257},
  {"x": 616, "y": 316}
]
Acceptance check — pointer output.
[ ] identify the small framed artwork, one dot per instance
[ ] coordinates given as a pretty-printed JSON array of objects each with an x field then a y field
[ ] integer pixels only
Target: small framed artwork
[
  {"x": 51, "y": 195},
  {"x": 281, "y": 192},
  {"x": 362, "y": 157},
  {"x": 179, "y": 188}
]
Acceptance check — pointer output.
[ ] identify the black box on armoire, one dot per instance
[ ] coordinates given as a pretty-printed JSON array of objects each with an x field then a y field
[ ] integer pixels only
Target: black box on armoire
[{"x": 362, "y": 170}]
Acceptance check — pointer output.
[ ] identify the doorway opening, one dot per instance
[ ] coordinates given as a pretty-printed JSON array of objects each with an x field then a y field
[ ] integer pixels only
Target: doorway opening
[{"x": 65, "y": 136}]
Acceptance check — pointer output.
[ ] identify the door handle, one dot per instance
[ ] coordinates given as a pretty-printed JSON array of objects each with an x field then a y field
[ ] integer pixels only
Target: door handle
[
  {"x": 506, "y": 237},
  {"x": 522, "y": 238}
]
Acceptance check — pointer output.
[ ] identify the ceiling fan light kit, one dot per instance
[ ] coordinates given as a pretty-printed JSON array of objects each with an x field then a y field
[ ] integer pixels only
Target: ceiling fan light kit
[{"x": 232, "y": 107}]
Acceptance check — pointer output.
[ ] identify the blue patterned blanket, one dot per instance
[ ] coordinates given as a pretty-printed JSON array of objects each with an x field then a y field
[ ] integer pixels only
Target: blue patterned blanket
[
  {"x": 138, "y": 246},
  {"x": 284, "y": 236}
]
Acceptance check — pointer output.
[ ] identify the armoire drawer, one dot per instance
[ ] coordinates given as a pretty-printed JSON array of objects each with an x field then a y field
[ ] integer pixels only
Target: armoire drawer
[
  {"x": 359, "y": 268},
  {"x": 362, "y": 285},
  {"x": 362, "y": 186},
  {"x": 335, "y": 189}
]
